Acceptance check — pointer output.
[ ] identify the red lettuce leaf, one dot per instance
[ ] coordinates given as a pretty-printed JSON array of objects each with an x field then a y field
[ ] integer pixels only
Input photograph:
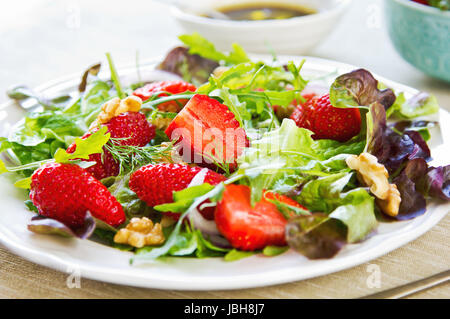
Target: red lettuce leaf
[
  {"x": 413, "y": 202},
  {"x": 436, "y": 183},
  {"x": 359, "y": 88},
  {"x": 392, "y": 149},
  {"x": 316, "y": 236},
  {"x": 44, "y": 225},
  {"x": 418, "y": 181},
  {"x": 191, "y": 67}
]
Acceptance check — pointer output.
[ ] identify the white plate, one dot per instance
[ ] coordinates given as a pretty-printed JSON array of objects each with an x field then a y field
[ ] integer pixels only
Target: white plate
[{"x": 99, "y": 262}]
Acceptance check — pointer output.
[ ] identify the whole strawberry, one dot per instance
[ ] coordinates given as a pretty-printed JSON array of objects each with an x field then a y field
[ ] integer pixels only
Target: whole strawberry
[
  {"x": 130, "y": 128},
  {"x": 172, "y": 87},
  {"x": 155, "y": 184},
  {"x": 65, "y": 192},
  {"x": 327, "y": 121}
]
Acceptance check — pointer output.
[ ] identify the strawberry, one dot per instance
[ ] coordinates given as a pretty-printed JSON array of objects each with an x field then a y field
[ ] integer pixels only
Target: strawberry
[
  {"x": 133, "y": 127},
  {"x": 173, "y": 87},
  {"x": 247, "y": 227},
  {"x": 327, "y": 121},
  {"x": 65, "y": 192},
  {"x": 155, "y": 184},
  {"x": 208, "y": 132}
]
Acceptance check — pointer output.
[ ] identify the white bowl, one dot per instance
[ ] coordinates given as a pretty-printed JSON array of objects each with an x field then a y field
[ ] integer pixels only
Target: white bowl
[{"x": 289, "y": 36}]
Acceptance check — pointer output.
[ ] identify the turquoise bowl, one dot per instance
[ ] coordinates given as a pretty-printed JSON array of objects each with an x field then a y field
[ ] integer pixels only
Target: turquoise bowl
[{"x": 421, "y": 34}]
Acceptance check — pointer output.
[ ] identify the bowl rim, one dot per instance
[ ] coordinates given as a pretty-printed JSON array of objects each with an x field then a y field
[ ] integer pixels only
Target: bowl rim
[
  {"x": 423, "y": 8},
  {"x": 333, "y": 10}
]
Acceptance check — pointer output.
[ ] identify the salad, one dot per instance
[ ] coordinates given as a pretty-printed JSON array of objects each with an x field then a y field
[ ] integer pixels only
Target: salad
[{"x": 237, "y": 157}]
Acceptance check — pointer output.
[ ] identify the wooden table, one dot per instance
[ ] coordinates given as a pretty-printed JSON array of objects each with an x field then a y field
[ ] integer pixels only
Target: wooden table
[{"x": 52, "y": 39}]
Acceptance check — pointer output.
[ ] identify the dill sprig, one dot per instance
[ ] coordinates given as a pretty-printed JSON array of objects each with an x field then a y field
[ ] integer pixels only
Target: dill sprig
[{"x": 130, "y": 157}]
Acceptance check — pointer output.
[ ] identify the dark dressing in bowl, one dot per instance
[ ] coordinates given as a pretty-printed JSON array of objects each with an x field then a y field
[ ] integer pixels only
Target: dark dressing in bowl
[{"x": 263, "y": 11}]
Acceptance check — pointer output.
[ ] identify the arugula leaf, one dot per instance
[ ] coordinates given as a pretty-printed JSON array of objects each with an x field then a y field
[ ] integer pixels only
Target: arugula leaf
[
  {"x": 274, "y": 250},
  {"x": 183, "y": 199},
  {"x": 2, "y": 167},
  {"x": 23, "y": 183},
  {"x": 235, "y": 255},
  {"x": 238, "y": 108},
  {"x": 199, "y": 45},
  {"x": 85, "y": 147}
]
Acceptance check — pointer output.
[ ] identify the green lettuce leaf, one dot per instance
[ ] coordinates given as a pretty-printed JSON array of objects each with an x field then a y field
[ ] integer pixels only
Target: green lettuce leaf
[
  {"x": 199, "y": 45},
  {"x": 420, "y": 104},
  {"x": 354, "y": 208},
  {"x": 287, "y": 157}
]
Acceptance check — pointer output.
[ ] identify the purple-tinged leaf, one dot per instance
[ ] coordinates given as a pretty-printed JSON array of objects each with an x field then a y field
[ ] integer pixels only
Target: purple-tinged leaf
[
  {"x": 406, "y": 125},
  {"x": 412, "y": 203},
  {"x": 92, "y": 70},
  {"x": 44, "y": 225},
  {"x": 191, "y": 67},
  {"x": 391, "y": 148},
  {"x": 436, "y": 183},
  {"x": 317, "y": 236},
  {"x": 359, "y": 88},
  {"x": 420, "y": 149}
]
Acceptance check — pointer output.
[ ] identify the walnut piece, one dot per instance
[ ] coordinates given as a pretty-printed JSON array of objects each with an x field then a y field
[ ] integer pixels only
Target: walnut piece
[
  {"x": 219, "y": 71},
  {"x": 161, "y": 123},
  {"x": 391, "y": 204},
  {"x": 371, "y": 173},
  {"x": 140, "y": 232},
  {"x": 375, "y": 176},
  {"x": 116, "y": 106}
]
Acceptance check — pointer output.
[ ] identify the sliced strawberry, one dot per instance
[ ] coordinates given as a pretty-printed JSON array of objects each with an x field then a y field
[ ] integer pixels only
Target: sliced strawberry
[
  {"x": 208, "y": 132},
  {"x": 173, "y": 87},
  {"x": 327, "y": 121},
  {"x": 155, "y": 184},
  {"x": 247, "y": 227},
  {"x": 65, "y": 192}
]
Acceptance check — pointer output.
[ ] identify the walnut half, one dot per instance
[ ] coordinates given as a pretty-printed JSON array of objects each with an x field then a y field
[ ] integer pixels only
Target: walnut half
[
  {"x": 117, "y": 106},
  {"x": 140, "y": 232},
  {"x": 391, "y": 204},
  {"x": 375, "y": 176}
]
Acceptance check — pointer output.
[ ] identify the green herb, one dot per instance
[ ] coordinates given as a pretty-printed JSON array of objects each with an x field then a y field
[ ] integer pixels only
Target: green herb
[
  {"x": 85, "y": 147},
  {"x": 115, "y": 76},
  {"x": 131, "y": 157}
]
